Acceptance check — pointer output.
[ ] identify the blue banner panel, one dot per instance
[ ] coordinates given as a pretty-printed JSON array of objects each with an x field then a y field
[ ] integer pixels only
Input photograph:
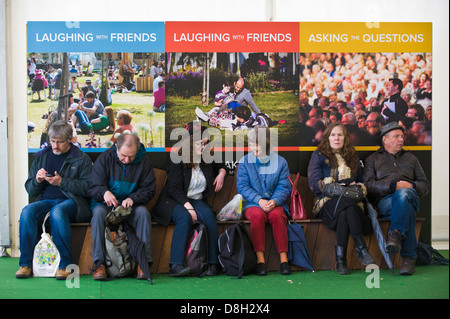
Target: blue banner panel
[{"x": 81, "y": 36}]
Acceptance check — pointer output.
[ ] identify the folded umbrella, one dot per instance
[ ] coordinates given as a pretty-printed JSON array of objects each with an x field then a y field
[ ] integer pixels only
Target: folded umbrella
[
  {"x": 298, "y": 253},
  {"x": 136, "y": 249},
  {"x": 379, "y": 235}
]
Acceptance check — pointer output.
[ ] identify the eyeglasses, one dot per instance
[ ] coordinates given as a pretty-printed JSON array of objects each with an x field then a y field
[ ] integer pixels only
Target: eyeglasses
[{"x": 57, "y": 142}]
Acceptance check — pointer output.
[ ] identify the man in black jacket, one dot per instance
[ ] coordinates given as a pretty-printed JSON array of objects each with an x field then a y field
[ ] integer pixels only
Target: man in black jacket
[
  {"x": 394, "y": 108},
  {"x": 395, "y": 182},
  {"x": 59, "y": 178},
  {"x": 122, "y": 175}
]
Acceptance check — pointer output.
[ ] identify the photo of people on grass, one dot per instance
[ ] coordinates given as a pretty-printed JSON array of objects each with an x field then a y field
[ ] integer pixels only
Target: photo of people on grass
[
  {"x": 104, "y": 95},
  {"x": 233, "y": 92},
  {"x": 365, "y": 91}
]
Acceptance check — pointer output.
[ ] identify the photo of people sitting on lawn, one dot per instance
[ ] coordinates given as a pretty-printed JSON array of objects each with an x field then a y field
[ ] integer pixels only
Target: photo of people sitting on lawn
[
  {"x": 101, "y": 92},
  {"x": 233, "y": 92}
]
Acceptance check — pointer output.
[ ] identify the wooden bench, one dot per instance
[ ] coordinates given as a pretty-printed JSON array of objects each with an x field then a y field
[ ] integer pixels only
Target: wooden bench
[{"x": 320, "y": 240}]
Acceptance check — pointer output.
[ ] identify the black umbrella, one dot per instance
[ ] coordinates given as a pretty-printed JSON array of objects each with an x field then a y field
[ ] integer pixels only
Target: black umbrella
[
  {"x": 136, "y": 249},
  {"x": 298, "y": 254},
  {"x": 379, "y": 235}
]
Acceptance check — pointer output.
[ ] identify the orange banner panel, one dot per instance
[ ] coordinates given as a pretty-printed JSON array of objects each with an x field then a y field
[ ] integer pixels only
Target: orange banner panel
[{"x": 232, "y": 36}]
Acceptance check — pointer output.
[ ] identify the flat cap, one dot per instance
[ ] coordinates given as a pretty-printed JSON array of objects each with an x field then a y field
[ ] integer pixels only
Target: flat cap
[{"x": 390, "y": 127}]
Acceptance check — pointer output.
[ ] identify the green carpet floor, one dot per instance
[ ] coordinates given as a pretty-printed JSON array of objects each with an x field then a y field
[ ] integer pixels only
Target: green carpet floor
[{"x": 429, "y": 282}]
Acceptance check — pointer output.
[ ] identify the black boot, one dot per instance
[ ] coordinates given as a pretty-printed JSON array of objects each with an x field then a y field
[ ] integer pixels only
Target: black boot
[
  {"x": 341, "y": 260},
  {"x": 362, "y": 251},
  {"x": 179, "y": 271}
]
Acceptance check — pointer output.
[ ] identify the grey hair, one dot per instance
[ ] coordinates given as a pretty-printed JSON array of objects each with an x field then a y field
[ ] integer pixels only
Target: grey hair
[
  {"x": 61, "y": 130},
  {"x": 122, "y": 140},
  {"x": 351, "y": 117}
]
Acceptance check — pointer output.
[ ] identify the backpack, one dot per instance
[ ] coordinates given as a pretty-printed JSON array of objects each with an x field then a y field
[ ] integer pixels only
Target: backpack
[
  {"x": 197, "y": 250},
  {"x": 236, "y": 254},
  {"x": 119, "y": 262},
  {"x": 427, "y": 255}
]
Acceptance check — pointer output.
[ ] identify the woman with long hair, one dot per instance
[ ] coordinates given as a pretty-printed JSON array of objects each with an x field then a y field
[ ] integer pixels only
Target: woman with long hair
[
  {"x": 183, "y": 199},
  {"x": 336, "y": 161}
]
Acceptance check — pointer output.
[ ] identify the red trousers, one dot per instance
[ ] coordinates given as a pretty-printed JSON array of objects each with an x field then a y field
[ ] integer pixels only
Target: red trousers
[{"x": 258, "y": 219}]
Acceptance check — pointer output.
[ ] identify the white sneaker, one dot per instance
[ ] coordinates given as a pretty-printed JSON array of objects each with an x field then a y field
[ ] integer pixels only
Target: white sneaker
[{"x": 201, "y": 115}]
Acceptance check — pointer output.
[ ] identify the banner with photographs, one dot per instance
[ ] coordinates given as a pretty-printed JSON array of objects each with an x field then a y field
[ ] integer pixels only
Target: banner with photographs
[
  {"x": 103, "y": 77},
  {"x": 298, "y": 77}
]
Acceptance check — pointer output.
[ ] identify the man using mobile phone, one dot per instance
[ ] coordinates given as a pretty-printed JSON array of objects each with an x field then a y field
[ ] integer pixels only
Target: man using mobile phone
[{"x": 59, "y": 178}]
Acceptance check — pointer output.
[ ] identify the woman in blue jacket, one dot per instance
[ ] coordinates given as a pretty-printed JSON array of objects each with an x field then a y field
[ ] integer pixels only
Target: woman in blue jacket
[
  {"x": 336, "y": 161},
  {"x": 262, "y": 180}
]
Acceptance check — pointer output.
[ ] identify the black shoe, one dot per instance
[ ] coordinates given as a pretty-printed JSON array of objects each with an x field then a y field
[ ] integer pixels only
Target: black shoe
[
  {"x": 393, "y": 243},
  {"x": 363, "y": 252},
  {"x": 285, "y": 269},
  {"x": 213, "y": 270},
  {"x": 341, "y": 260},
  {"x": 261, "y": 269},
  {"x": 179, "y": 271}
]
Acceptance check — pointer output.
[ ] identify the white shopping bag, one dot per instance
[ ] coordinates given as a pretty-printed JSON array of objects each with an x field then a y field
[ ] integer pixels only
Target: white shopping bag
[
  {"x": 232, "y": 210},
  {"x": 46, "y": 256}
]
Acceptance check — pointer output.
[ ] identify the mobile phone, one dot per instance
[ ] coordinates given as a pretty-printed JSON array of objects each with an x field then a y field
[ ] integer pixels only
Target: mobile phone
[{"x": 49, "y": 175}]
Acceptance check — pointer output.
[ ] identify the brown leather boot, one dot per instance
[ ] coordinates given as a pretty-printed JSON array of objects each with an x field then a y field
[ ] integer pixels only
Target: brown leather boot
[
  {"x": 24, "y": 272},
  {"x": 100, "y": 273},
  {"x": 408, "y": 266},
  {"x": 140, "y": 274},
  {"x": 62, "y": 274},
  {"x": 393, "y": 243}
]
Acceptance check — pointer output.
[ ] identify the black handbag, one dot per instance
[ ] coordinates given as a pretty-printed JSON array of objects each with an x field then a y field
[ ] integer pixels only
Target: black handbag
[
  {"x": 354, "y": 192},
  {"x": 338, "y": 190}
]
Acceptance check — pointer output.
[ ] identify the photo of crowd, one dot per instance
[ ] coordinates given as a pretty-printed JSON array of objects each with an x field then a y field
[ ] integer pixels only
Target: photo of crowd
[{"x": 365, "y": 91}]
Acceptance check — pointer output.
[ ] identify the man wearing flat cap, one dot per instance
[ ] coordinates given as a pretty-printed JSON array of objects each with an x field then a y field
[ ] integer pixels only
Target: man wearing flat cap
[{"x": 395, "y": 182}]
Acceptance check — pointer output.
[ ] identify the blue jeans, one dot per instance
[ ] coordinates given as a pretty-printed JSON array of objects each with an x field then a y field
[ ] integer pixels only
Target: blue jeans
[
  {"x": 183, "y": 227},
  {"x": 83, "y": 122},
  {"x": 139, "y": 219},
  {"x": 62, "y": 213},
  {"x": 401, "y": 208}
]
